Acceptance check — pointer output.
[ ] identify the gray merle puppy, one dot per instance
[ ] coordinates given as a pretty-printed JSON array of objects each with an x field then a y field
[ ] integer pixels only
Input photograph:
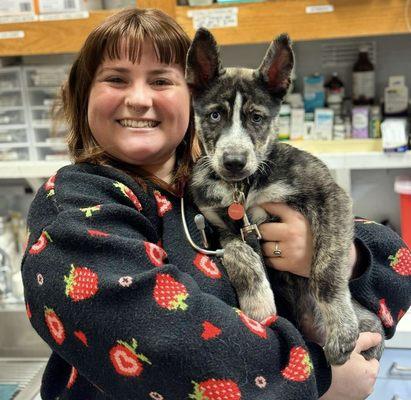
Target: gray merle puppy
[{"x": 243, "y": 164}]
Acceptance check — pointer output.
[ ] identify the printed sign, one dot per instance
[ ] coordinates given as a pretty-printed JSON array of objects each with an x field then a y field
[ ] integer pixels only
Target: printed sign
[
  {"x": 214, "y": 17},
  {"x": 325, "y": 8},
  {"x": 12, "y": 35}
]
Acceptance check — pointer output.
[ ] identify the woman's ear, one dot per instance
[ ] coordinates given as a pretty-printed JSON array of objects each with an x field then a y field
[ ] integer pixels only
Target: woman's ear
[{"x": 203, "y": 61}]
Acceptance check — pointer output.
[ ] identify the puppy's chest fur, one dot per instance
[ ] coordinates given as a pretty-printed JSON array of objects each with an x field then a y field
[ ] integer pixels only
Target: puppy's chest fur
[{"x": 289, "y": 176}]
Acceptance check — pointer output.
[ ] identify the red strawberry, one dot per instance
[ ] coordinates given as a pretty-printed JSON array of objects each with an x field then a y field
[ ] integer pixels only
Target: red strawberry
[
  {"x": 163, "y": 205},
  {"x": 94, "y": 232},
  {"x": 41, "y": 244},
  {"x": 81, "y": 284},
  {"x": 401, "y": 262},
  {"x": 50, "y": 185},
  {"x": 55, "y": 326},
  {"x": 254, "y": 326},
  {"x": 28, "y": 311},
  {"x": 156, "y": 254},
  {"x": 129, "y": 193},
  {"x": 73, "y": 377},
  {"x": 170, "y": 294},
  {"x": 125, "y": 360},
  {"x": 299, "y": 366},
  {"x": 216, "y": 389},
  {"x": 207, "y": 266},
  {"x": 210, "y": 331},
  {"x": 385, "y": 314},
  {"x": 80, "y": 335}
]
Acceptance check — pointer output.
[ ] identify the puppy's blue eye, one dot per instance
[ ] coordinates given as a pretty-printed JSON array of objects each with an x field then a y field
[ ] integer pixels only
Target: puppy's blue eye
[
  {"x": 256, "y": 118},
  {"x": 215, "y": 116}
]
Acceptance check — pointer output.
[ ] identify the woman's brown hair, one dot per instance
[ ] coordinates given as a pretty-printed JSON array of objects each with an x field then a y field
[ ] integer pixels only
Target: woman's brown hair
[{"x": 132, "y": 27}]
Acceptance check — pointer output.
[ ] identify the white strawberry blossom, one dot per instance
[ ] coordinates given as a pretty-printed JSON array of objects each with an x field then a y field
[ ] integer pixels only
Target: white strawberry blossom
[
  {"x": 156, "y": 396},
  {"x": 40, "y": 279},
  {"x": 125, "y": 281},
  {"x": 261, "y": 382}
]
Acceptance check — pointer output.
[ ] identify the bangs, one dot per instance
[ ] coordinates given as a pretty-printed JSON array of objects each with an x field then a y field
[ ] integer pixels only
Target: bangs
[{"x": 129, "y": 37}]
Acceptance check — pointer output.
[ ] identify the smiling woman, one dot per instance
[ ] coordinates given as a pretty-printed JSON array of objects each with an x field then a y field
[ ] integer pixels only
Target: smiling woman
[
  {"x": 129, "y": 309},
  {"x": 139, "y": 112}
]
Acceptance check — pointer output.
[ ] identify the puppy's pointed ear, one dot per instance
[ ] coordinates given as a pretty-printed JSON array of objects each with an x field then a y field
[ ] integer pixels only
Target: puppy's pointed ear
[
  {"x": 277, "y": 64},
  {"x": 203, "y": 61}
]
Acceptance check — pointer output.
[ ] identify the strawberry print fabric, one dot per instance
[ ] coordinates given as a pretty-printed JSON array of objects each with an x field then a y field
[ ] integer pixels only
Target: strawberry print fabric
[{"x": 130, "y": 310}]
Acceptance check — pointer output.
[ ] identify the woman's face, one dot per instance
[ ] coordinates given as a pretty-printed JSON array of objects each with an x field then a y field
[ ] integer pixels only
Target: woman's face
[{"x": 139, "y": 113}]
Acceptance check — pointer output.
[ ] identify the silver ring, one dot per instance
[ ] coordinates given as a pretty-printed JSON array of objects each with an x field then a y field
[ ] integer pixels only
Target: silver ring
[{"x": 277, "y": 251}]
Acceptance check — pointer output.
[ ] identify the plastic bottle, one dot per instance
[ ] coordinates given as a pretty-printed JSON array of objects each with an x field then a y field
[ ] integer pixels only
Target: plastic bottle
[
  {"x": 335, "y": 93},
  {"x": 363, "y": 90}
]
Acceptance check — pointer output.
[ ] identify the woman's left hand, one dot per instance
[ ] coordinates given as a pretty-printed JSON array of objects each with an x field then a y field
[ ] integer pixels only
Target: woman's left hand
[{"x": 292, "y": 236}]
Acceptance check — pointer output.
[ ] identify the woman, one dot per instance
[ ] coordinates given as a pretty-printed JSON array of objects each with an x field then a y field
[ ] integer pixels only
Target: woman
[{"x": 129, "y": 309}]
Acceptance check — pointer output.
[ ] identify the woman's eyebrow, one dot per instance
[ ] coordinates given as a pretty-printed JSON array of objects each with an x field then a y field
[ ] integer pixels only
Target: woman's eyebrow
[{"x": 113, "y": 69}]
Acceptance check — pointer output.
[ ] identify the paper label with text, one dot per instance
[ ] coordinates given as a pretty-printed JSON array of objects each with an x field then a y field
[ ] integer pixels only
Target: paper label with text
[{"x": 214, "y": 18}]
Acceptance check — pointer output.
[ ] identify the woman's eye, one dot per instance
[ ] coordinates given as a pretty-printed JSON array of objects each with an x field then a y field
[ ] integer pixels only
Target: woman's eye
[
  {"x": 115, "y": 79},
  {"x": 162, "y": 82},
  {"x": 215, "y": 116},
  {"x": 256, "y": 118}
]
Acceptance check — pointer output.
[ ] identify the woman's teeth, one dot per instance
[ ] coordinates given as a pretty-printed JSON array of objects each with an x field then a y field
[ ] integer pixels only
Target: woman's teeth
[{"x": 131, "y": 123}]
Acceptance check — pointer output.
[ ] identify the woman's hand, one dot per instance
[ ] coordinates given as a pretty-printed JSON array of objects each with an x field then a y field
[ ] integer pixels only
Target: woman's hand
[
  {"x": 355, "y": 379},
  {"x": 292, "y": 236}
]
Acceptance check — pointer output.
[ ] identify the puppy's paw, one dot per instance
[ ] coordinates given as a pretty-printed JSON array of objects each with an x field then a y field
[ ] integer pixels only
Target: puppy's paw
[
  {"x": 340, "y": 343},
  {"x": 258, "y": 304}
]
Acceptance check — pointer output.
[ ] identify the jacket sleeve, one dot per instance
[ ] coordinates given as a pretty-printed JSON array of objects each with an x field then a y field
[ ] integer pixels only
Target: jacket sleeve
[
  {"x": 384, "y": 286},
  {"x": 100, "y": 292}
]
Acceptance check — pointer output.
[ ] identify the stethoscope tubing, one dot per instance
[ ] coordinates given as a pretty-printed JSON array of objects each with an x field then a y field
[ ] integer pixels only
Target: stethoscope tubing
[{"x": 218, "y": 252}]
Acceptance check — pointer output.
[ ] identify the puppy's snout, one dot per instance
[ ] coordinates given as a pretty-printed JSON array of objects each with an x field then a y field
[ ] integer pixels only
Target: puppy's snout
[{"x": 234, "y": 162}]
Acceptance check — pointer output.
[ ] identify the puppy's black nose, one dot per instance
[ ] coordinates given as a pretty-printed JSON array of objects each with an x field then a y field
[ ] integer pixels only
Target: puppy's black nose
[{"x": 234, "y": 162}]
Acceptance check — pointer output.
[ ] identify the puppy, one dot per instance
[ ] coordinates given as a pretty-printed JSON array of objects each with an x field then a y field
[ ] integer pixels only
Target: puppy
[{"x": 243, "y": 166}]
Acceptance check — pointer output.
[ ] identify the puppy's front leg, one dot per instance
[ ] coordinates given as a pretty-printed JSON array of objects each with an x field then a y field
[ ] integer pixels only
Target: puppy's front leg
[{"x": 247, "y": 274}]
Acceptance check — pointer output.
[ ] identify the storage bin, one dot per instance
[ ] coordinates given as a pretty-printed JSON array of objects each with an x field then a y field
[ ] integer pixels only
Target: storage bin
[{"x": 402, "y": 186}]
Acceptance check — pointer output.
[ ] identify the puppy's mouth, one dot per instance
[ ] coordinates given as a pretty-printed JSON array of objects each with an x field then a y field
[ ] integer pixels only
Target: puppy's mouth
[
  {"x": 142, "y": 124},
  {"x": 233, "y": 176}
]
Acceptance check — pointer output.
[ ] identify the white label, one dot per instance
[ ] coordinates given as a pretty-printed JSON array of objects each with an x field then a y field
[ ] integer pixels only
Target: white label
[
  {"x": 15, "y": 19},
  {"x": 15, "y": 6},
  {"x": 12, "y": 35},
  {"x": 326, "y": 8},
  {"x": 54, "y": 6},
  {"x": 64, "y": 15},
  {"x": 214, "y": 18},
  {"x": 364, "y": 84}
]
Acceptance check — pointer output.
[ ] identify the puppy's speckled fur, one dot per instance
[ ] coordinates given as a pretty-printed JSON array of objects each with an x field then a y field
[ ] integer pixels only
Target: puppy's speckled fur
[{"x": 235, "y": 114}]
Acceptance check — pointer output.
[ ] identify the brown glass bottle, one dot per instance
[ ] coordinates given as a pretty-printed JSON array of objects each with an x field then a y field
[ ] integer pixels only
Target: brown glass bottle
[{"x": 363, "y": 88}]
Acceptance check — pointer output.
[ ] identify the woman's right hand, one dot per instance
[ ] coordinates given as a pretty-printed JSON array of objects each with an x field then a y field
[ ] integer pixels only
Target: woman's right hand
[{"x": 355, "y": 379}]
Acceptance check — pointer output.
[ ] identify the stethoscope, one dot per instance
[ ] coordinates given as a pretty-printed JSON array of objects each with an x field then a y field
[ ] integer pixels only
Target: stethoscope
[{"x": 200, "y": 224}]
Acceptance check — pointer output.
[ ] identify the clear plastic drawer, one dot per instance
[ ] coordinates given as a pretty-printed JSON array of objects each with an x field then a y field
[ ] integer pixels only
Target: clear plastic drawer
[
  {"x": 42, "y": 97},
  {"x": 12, "y": 116},
  {"x": 14, "y": 153},
  {"x": 46, "y": 135},
  {"x": 56, "y": 152},
  {"x": 10, "y": 78},
  {"x": 11, "y": 98},
  {"x": 50, "y": 76},
  {"x": 11, "y": 135}
]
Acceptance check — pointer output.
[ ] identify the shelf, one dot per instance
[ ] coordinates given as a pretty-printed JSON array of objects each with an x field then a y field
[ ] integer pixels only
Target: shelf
[
  {"x": 260, "y": 22},
  {"x": 347, "y": 154},
  {"x": 257, "y": 23}
]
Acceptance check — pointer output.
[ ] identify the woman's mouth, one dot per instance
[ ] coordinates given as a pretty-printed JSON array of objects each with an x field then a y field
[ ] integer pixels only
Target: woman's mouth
[{"x": 132, "y": 123}]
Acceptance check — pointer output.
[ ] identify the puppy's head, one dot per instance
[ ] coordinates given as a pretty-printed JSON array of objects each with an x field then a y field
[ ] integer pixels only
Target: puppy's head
[{"x": 236, "y": 108}]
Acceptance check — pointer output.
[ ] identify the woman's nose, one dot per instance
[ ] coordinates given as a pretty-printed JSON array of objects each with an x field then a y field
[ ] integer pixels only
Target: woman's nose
[{"x": 139, "y": 97}]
